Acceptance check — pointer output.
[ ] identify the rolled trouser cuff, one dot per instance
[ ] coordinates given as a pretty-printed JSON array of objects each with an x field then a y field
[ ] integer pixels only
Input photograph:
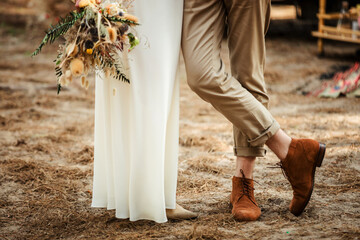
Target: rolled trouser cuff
[
  {"x": 249, "y": 151},
  {"x": 268, "y": 133}
]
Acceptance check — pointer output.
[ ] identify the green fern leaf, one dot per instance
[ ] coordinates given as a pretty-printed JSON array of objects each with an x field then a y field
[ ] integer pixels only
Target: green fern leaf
[{"x": 58, "y": 30}]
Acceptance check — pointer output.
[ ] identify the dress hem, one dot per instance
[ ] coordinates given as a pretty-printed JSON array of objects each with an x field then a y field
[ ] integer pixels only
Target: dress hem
[{"x": 104, "y": 205}]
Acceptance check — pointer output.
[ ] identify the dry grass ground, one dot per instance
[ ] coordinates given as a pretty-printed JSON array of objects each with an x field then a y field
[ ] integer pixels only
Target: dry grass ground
[{"x": 46, "y": 154}]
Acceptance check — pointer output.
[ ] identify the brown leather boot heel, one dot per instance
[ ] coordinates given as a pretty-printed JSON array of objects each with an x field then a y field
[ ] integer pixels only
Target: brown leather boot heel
[
  {"x": 242, "y": 200},
  {"x": 299, "y": 166}
]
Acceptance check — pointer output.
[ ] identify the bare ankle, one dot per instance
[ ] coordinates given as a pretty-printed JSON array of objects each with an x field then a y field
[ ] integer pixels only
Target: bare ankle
[
  {"x": 245, "y": 167},
  {"x": 279, "y": 144},
  {"x": 282, "y": 155}
]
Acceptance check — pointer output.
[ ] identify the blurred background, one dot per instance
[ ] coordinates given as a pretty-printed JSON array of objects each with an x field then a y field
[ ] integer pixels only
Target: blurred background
[{"x": 46, "y": 140}]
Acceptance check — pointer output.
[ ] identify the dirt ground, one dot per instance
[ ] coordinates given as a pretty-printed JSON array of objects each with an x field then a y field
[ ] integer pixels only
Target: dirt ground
[{"x": 46, "y": 152}]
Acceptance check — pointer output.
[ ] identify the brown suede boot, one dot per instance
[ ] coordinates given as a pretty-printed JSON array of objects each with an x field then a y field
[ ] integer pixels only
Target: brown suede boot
[
  {"x": 242, "y": 200},
  {"x": 299, "y": 166}
]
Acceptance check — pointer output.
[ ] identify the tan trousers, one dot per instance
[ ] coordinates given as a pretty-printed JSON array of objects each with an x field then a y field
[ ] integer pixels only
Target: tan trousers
[{"x": 240, "y": 96}]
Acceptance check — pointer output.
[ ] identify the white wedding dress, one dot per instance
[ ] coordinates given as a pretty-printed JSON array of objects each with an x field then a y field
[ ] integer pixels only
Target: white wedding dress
[{"x": 136, "y": 124}]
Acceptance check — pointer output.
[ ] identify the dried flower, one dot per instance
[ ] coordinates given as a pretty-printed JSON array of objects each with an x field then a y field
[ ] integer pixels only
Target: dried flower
[
  {"x": 76, "y": 51},
  {"x": 131, "y": 18},
  {"x": 87, "y": 84},
  {"x": 97, "y": 61},
  {"x": 95, "y": 34},
  {"x": 107, "y": 72},
  {"x": 83, "y": 81},
  {"x": 76, "y": 67},
  {"x": 112, "y": 9},
  {"x": 84, "y": 3},
  {"x": 62, "y": 80},
  {"x": 89, "y": 44},
  {"x": 93, "y": 31},
  {"x": 72, "y": 50},
  {"x": 112, "y": 34},
  {"x": 92, "y": 22},
  {"x": 68, "y": 76},
  {"x": 123, "y": 29}
]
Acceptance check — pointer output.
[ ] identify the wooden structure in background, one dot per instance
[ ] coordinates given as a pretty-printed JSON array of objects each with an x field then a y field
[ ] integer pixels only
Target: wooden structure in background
[
  {"x": 333, "y": 33},
  {"x": 39, "y": 13},
  {"x": 16, "y": 15}
]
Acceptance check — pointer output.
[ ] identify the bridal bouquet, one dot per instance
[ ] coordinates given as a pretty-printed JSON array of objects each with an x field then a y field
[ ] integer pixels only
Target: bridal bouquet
[{"x": 95, "y": 38}]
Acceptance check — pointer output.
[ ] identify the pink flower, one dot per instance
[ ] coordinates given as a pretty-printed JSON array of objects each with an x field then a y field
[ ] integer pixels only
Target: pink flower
[{"x": 77, "y": 3}]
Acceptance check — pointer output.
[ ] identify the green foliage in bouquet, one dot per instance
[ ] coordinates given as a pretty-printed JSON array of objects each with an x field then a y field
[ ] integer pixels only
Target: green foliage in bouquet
[
  {"x": 59, "y": 29},
  {"x": 104, "y": 63}
]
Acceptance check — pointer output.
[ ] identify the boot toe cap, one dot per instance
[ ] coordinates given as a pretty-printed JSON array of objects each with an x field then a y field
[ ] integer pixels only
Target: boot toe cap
[
  {"x": 297, "y": 206},
  {"x": 246, "y": 214}
]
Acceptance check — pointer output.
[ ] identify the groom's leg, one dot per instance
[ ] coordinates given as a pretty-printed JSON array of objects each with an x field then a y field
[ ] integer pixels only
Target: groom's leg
[
  {"x": 202, "y": 33},
  {"x": 248, "y": 22},
  {"x": 203, "y": 29}
]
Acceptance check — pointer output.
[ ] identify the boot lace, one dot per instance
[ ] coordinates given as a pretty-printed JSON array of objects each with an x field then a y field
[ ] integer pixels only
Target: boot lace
[
  {"x": 280, "y": 165},
  {"x": 246, "y": 188}
]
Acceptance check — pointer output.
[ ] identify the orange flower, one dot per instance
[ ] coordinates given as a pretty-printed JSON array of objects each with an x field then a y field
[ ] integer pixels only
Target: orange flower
[
  {"x": 109, "y": 8},
  {"x": 131, "y": 18},
  {"x": 112, "y": 34}
]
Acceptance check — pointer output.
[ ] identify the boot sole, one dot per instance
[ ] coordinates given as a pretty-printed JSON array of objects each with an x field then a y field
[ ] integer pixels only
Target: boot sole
[{"x": 318, "y": 163}]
